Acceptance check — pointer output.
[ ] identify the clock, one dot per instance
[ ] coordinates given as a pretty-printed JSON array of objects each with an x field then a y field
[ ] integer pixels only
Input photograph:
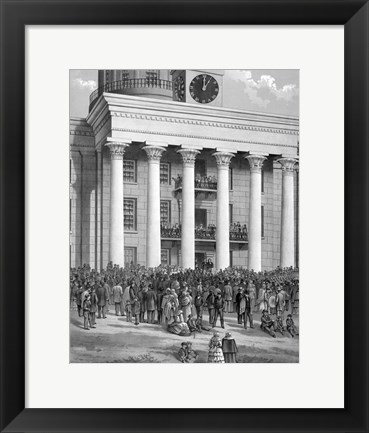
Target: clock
[
  {"x": 204, "y": 88},
  {"x": 179, "y": 89}
]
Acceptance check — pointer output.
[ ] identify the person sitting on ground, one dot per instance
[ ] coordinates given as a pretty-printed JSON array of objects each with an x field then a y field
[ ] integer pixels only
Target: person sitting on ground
[
  {"x": 191, "y": 323},
  {"x": 267, "y": 324},
  {"x": 290, "y": 325},
  {"x": 279, "y": 325},
  {"x": 182, "y": 353},
  {"x": 191, "y": 354},
  {"x": 178, "y": 326}
]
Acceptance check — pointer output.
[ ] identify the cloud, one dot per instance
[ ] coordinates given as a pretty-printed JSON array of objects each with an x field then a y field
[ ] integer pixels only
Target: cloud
[
  {"x": 85, "y": 84},
  {"x": 264, "y": 90}
]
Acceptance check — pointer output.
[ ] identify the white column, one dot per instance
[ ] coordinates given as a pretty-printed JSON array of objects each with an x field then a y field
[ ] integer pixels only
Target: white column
[
  {"x": 254, "y": 229},
  {"x": 188, "y": 207},
  {"x": 287, "y": 219},
  {"x": 222, "y": 231},
  {"x": 116, "y": 234},
  {"x": 153, "y": 237}
]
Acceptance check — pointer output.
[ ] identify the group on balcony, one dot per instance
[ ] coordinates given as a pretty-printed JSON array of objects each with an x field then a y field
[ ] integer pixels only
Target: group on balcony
[
  {"x": 237, "y": 232},
  {"x": 201, "y": 182}
]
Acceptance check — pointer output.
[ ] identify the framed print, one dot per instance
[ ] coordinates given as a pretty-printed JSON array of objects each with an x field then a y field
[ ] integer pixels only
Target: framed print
[{"x": 172, "y": 174}]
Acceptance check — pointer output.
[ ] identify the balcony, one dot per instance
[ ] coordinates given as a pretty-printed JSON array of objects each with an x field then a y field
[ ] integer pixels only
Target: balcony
[
  {"x": 206, "y": 185},
  {"x": 129, "y": 83},
  {"x": 237, "y": 233}
]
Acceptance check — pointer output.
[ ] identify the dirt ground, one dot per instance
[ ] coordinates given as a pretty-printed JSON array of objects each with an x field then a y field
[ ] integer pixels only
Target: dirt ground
[{"x": 116, "y": 340}]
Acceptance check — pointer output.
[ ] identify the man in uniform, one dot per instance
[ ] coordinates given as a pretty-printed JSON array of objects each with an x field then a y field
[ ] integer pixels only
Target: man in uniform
[
  {"x": 219, "y": 305},
  {"x": 199, "y": 304},
  {"x": 117, "y": 297},
  {"x": 86, "y": 312},
  {"x": 210, "y": 304},
  {"x": 102, "y": 293}
]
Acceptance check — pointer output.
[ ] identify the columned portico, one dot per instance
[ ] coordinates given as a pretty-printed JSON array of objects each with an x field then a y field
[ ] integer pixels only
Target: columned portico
[
  {"x": 116, "y": 234},
  {"x": 287, "y": 220},
  {"x": 153, "y": 244},
  {"x": 254, "y": 260},
  {"x": 188, "y": 207},
  {"x": 222, "y": 226}
]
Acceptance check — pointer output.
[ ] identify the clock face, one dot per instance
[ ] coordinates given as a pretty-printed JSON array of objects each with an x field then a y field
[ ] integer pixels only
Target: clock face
[
  {"x": 204, "y": 88},
  {"x": 179, "y": 89}
]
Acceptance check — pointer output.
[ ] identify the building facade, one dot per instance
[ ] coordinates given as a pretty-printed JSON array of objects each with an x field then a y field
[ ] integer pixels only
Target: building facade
[{"x": 161, "y": 173}]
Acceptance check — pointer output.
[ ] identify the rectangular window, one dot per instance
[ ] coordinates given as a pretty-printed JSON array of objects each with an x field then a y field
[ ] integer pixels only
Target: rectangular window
[
  {"x": 165, "y": 211},
  {"x": 262, "y": 180},
  {"x": 230, "y": 258},
  {"x": 230, "y": 213},
  {"x": 152, "y": 75},
  {"x": 231, "y": 179},
  {"x": 130, "y": 214},
  {"x": 125, "y": 74},
  {"x": 165, "y": 256},
  {"x": 130, "y": 256},
  {"x": 262, "y": 221},
  {"x": 164, "y": 173},
  {"x": 201, "y": 217},
  {"x": 129, "y": 171},
  {"x": 200, "y": 167}
]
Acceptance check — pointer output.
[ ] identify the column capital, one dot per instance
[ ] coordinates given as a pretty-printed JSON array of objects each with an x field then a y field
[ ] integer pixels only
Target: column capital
[
  {"x": 117, "y": 149},
  {"x": 188, "y": 155},
  {"x": 223, "y": 158},
  {"x": 154, "y": 153},
  {"x": 288, "y": 164},
  {"x": 256, "y": 162}
]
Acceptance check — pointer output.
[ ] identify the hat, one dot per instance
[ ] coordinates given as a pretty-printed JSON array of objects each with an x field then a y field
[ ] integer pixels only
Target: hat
[{"x": 228, "y": 335}]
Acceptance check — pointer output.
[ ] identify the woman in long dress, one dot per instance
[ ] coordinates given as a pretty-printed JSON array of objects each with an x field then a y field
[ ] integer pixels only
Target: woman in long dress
[{"x": 215, "y": 349}]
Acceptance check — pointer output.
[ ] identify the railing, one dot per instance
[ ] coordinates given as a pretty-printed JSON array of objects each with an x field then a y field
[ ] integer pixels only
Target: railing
[
  {"x": 236, "y": 232},
  {"x": 130, "y": 83},
  {"x": 201, "y": 182}
]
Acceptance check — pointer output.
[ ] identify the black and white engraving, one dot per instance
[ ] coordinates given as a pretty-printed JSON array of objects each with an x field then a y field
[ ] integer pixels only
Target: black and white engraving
[{"x": 184, "y": 222}]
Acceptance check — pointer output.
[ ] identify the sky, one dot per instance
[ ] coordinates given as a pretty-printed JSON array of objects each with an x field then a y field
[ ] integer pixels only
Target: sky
[{"x": 264, "y": 90}]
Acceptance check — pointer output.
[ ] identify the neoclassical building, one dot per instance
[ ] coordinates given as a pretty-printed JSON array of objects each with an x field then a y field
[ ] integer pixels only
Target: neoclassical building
[{"x": 161, "y": 172}]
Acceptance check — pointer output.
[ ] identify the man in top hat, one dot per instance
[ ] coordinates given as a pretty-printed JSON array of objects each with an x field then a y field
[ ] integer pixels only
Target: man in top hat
[
  {"x": 228, "y": 297},
  {"x": 160, "y": 296},
  {"x": 151, "y": 300},
  {"x": 280, "y": 302},
  {"x": 229, "y": 348},
  {"x": 210, "y": 304},
  {"x": 93, "y": 307},
  {"x": 103, "y": 299}
]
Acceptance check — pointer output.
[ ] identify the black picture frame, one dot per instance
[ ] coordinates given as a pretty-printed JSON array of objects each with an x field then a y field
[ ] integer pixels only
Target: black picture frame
[{"x": 15, "y": 15}]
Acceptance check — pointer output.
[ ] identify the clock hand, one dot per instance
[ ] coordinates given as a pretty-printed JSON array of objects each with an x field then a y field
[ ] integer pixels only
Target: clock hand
[
  {"x": 203, "y": 84},
  {"x": 207, "y": 83}
]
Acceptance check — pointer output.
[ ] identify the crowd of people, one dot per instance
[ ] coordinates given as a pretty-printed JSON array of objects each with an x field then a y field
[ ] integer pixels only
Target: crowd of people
[
  {"x": 177, "y": 298},
  {"x": 237, "y": 231}
]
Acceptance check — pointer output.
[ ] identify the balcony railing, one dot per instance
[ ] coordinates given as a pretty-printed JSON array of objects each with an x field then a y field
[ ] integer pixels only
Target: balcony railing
[
  {"x": 201, "y": 182},
  {"x": 237, "y": 232},
  {"x": 129, "y": 83}
]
